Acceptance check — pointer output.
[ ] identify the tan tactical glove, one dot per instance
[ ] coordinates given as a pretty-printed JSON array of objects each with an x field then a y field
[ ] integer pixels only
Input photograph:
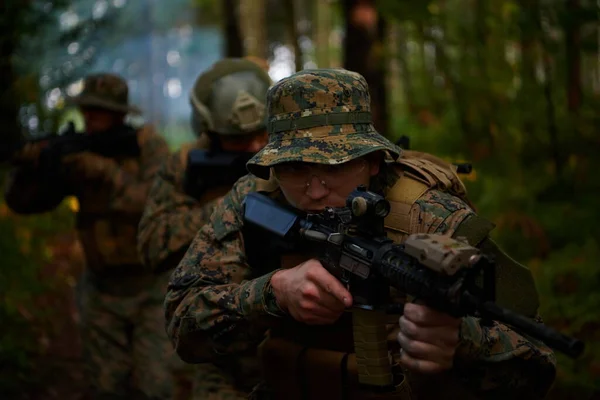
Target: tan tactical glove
[
  {"x": 29, "y": 154},
  {"x": 89, "y": 166}
]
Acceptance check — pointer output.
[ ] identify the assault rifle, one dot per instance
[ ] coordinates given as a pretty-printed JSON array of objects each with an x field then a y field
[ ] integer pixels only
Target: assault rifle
[
  {"x": 121, "y": 141},
  {"x": 448, "y": 274},
  {"x": 208, "y": 169}
]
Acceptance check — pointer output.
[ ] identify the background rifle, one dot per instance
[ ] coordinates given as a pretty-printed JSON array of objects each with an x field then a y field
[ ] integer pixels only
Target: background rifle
[
  {"x": 121, "y": 141},
  {"x": 207, "y": 169},
  {"x": 448, "y": 274},
  {"x": 461, "y": 168}
]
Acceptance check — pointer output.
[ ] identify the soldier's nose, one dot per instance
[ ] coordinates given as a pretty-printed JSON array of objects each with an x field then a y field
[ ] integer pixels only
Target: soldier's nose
[{"x": 317, "y": 188}]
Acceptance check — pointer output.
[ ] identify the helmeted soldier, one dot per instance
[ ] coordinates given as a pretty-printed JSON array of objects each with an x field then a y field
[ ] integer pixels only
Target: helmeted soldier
[{"x": 229, "y": 116}]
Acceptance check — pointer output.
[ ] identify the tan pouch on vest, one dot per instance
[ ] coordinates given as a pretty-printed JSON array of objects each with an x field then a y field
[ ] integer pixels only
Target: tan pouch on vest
[{"x": 434, "y": 172}]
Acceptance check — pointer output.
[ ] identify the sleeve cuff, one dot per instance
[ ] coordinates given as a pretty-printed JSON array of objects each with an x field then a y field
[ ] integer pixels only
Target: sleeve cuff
[
  {"x": 270, "y": 304},
  {"x": 470, "y": 337},
  {"x": 260, "y": 299}
]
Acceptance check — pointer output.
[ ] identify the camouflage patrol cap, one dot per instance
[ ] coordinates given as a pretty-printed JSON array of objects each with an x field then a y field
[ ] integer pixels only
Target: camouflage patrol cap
[
  {"x": 230, "y": 98},
  {"x": 320, "y": 116},
  {"x": 107, "y": 91}
]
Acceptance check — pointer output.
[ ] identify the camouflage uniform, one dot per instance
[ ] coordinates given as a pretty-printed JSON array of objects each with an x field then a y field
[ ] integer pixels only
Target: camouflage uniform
[
  {"x": 122, "y": 320},
  {"x": 173, "y": 215},
  {"x": 216, "y": 297}
]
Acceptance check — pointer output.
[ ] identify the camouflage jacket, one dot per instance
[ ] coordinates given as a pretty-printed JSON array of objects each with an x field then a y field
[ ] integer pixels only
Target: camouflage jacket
[
  {"x": 215, "y": 297},
  {"x": 172, "y": 218},
  {"x": 109, "y": 209}
]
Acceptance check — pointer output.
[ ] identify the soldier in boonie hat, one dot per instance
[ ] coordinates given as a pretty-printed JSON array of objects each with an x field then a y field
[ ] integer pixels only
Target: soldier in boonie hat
[
  {"x": 235, "y": 287},
  {"x": 105, "y": 91},
  {"x": 319, "y": 116}
]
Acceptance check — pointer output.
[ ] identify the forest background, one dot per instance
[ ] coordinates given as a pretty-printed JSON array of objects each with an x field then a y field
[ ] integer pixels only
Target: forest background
[{"x": 511, "y": 86}]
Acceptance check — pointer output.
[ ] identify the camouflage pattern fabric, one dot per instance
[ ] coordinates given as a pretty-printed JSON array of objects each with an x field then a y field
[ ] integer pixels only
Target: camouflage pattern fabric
[
  {"x": 215, "y": 297},
  {"x": 319, "y": 116},
  {"x": 123, "y": 323},
  {"x": 107, "y": 91},
  {"x": 170, "y": 222},
  {"x": 125, "y": 350},
  {"x": 171, "y": 218}
]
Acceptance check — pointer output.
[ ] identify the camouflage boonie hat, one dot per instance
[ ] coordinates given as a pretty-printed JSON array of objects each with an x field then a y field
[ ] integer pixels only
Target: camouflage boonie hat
[
  {"x": 320, "y": 116},
  {"x": 107, "y": 91}
]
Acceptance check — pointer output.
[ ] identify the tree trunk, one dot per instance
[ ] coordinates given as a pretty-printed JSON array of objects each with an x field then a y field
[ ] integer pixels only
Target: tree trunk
[
  {"x": 485, "y": 100},
  {"x": 253, "y": 28},
  {"x": 527, "y": 25},
  {"x": 9, "y": 101},
  {"x": 233, "y": 40},
  {"x": 363, "y": 53},
  {"x": 555, "y": 152},
  {"x": 398, "y": 83},
  {"x": 573, "y": 47},
  {"x": 323, "y": 22},
  {"x": 292, "y": 32}
]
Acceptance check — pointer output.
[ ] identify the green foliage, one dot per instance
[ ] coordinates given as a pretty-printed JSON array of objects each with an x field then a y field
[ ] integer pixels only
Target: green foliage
[
  {"x": 488, "y": 86},
  {"x": 24, "y": 249}
]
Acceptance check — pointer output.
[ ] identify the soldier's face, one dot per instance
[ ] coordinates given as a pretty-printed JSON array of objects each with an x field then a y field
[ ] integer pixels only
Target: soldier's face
[
  {"x": 100, "y": 120},
  {"x": 250, "y": 144},
  {"x": 312, "y": 187}
]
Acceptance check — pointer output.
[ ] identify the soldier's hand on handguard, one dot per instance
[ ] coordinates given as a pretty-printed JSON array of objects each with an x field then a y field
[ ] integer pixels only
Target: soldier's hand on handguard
[
  {"x": 310, "y": 294},
  {"x": 428, "y": 339},
  {"x": 29, "y": 154},
  {"x": 89, "y": 166}
]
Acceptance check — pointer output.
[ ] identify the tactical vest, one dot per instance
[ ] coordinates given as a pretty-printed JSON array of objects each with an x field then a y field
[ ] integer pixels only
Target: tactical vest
[{"x": 318, "y": 362}]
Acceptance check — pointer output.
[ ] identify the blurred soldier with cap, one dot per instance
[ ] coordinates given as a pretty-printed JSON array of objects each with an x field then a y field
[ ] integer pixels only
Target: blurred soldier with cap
[{"x": 125, "y": 347}]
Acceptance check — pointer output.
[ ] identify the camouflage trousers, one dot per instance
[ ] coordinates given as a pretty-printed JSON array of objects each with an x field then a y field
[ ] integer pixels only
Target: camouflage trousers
[
  {"x": 214, "y": 383},
  {"x": 126, "y": 349}
]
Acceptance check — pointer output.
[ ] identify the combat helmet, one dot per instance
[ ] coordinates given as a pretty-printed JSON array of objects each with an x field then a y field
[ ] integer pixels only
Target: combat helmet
[
  {"x": 230, "y": 98},
  {"x": 319, "y": 116}
]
